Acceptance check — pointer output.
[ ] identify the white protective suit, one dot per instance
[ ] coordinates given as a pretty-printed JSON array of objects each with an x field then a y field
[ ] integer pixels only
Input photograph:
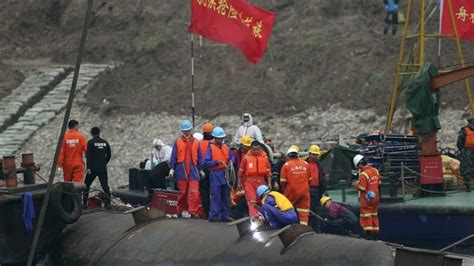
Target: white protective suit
[
  {"x": 158, "y": 156},
  {"x": 248, "y": 128}
]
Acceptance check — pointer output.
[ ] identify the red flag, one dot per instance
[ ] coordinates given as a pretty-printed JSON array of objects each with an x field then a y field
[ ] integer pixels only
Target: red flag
[
  {"x": 463, "y": 11},
  {"x": 235, "y": 22}
]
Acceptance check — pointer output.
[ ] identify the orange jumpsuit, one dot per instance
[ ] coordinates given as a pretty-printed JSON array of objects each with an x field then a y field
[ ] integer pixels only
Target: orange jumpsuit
[
  {"x": 252, "y": 172},
  {"x": 294, "y": 179},
  {"x": 369, "y": 180},
  {"x": 71, "y": 156}
]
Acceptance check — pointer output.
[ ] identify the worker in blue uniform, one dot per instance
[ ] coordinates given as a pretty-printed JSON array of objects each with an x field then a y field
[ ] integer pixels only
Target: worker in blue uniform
[
  {"x": 391, "y": 7},
  {"x": 218, "y": 157},
  {"x": 276, "y": 209}
]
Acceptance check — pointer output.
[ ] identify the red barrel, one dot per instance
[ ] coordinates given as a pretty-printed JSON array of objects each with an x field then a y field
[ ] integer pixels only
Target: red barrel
[{"x": 9, "y": 171}]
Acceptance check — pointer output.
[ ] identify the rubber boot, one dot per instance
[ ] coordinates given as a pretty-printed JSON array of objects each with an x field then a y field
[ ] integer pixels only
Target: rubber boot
[
  {"x": 394, "y": 29},
  {"x": 385, "y": 29},
  {"x": 369, "y": 235},
  {"x": 375, "y": 236},
  {"x": 107, "y": 205}
]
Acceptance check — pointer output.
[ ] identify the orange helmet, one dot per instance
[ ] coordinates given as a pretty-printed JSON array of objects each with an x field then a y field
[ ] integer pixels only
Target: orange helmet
[{"x": 207, "y": 128}]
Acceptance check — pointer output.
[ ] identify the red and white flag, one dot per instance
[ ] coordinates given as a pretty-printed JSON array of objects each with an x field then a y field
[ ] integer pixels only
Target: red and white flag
[
  {"x": 463, "y": 11},
  {"x": 235, "y": 22}
]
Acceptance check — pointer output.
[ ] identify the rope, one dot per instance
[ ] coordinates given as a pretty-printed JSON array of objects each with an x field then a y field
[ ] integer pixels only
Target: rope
[
  {"x": 90, "y": 191},
  {"x": 417, "y": 173},
  {"x": 230, "y": 175},
  {"x": 458, "y": 189},
  {"x": 431, "y": 191},
  {"x": 67, "y": 113}
]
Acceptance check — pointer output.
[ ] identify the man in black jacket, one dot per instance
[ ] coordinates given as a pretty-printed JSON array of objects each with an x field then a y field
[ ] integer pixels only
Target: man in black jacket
[{"x": 98, "y": 156}]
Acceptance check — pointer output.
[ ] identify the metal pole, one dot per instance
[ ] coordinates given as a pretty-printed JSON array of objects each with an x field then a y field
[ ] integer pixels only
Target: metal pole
[
  {"x": 192, "y": 77},
  {"x": 403, "y": 179},
  {"x": 439, "y": 31},
  {"x": 393, "y": 100},
  {"x": 456, "y": 243},
  {"x": 61, "y": 136},
  {"x": 422, "y": 34},
  {"x": 460, "y": 55}
]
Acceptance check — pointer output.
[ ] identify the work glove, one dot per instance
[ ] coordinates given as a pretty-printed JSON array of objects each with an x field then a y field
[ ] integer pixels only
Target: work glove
[
  {"x": 60, "y": 171},
  {"x": 370, "y": 196},
  {"x": 276, "y": 186},
  {"x": 171, "y": 173},
  {"x": 202, "y": 174}
]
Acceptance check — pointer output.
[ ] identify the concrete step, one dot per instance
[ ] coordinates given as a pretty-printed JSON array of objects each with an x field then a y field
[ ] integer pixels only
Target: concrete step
[{"x": 45, "y": 109}]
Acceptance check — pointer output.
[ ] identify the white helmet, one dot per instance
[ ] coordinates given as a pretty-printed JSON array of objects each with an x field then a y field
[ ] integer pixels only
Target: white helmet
[
  {"x": 198, "y": 136},
  {"x": 357, "y": 159},
  {"x": 292, "y": 149}
]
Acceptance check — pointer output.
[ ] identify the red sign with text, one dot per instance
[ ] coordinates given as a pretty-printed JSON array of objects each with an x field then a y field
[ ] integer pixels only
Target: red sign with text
[{"x": 431, "y": 170}]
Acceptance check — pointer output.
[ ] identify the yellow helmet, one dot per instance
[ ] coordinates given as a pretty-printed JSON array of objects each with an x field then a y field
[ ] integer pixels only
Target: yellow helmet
[
  {"x": 246, "y": 140},
  {"x": 314, "y": 149},
  {"x": 324, "y": 200},
  {"x": 295, "y": 147}
]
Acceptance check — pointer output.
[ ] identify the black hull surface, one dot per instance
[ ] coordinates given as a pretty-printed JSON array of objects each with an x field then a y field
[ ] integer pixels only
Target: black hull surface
[
  {"x": 112, "y": 239},
  {"x": 15, "y": 240}
]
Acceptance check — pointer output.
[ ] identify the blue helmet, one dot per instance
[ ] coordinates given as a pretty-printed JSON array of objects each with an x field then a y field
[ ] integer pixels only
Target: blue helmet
[
  {"x": 262, "y": 190},
  {"x": 218, "y": 132},
  {"x": 370, "y": 195},
  {"x": 185, "y": 125}
]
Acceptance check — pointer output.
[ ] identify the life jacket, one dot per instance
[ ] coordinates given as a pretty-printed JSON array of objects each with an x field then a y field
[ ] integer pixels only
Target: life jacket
[
  {"x": 281, "y": 201},
  {"x": 295, "y": 171},
  {"x": 181, "y": 145},
  {"x": 469, "y": 142},
  {"x": 314, "y": 170},
  {"x": 372, "y": 176},
  {"x": 257, "y": 166},
  {"x": 220, "y": 154},
  {"x": 203, "y": 145}
]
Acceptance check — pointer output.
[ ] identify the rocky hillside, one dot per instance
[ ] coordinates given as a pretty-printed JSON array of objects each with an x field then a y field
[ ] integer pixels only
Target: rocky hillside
[
  {"x": 321, "y": 53},
  {"x": 9, "y": 79}
]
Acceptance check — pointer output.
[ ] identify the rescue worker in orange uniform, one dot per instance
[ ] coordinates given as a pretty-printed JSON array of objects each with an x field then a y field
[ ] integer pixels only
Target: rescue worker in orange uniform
[
  {"x": 465, "y": 145},
  {"x": 186, "y": 167},
  {"x": 254, "y": 171},
  {"x": 294, "y": 180},
  {"x": 316, "y": 183},
  {"x": 368, "y": 186},
  {"x": 218, "y": 158},
  {"x": 204, "y": 182},
  {"x": 72, "y": 152}
]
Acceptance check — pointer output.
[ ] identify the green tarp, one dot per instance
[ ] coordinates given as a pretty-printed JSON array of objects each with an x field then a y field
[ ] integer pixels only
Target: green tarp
[
  {"x": 337, "y": 165},
  {"x": 423, "y": 104}
]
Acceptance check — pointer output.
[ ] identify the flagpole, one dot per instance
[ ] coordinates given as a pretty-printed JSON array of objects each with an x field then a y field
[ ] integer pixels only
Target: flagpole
[
  {"x": 192, "y": 77},
  {"x": 439, "y": 39}
]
